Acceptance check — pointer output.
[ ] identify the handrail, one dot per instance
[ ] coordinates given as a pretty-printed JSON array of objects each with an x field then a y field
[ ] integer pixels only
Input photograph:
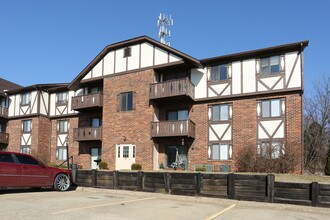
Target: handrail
[{"x": 66, "y": 161}]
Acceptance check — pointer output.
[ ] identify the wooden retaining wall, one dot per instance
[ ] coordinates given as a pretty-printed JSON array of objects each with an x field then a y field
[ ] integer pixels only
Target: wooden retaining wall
[{"x": 262, "y": 188}]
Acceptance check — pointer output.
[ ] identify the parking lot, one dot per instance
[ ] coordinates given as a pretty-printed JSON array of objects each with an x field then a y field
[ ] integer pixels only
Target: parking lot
[{"x": 89, "y": 203}]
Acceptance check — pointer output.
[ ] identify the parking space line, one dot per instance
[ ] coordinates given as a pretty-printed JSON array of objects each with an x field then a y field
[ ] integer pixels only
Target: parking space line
[
  {"x": 221, "y": 212},
  {"x": 100, "y": 205}
]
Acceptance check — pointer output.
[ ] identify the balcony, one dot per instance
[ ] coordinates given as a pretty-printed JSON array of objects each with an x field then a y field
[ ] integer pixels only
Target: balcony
[
  {"x": 87, "y": 134},
  {"x": 3, "y": 112},
  {"x": 173, "y": 88},
  {"x": 4, "y": 138},
  {"x": 87, "y": 101},
  {"x": 173, "y": 128}
]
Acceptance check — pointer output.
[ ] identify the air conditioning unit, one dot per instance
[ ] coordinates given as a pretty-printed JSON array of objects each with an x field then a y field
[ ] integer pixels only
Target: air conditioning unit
[{"x": 225, "y": 168}]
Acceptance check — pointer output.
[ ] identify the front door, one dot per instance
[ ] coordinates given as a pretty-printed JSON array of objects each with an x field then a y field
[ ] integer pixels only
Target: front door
[
  {"x": 125, "y": 156},
  {"x": 95, "y": 157},
  {"x": 177, "y": 157}
]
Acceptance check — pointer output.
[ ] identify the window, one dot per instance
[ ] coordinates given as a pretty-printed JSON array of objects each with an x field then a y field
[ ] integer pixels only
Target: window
[
  {"x": 126, "y": 101},
  {"x": 63, "y": 126},
  {"x": 62, "y": 98},
  {"x": 26, "y": 126},
  {"x": 270, "y": 65},
  {"x": 118, "y": 151},
  {"x": 27, "y": 160},
  {"x": 127, "y": 52},
  {"x": 134, "y": 152},
  {"x": 125, "y": 151},
  {"x": 178, "y": 115},
  {"x": 26, "y": 149},
  {"x": 270, "y": 150},
  {"x": 220, "y": 112},
  {"x": 3, "y": 102},
  {"x": 25, "y": 99},
  {"x": 219, "y": 72},
  {"x": 220, "y": 152},
  {"x": 271, "y": 108},
  {"x": 7, "y": 158},
  {"x": 61, "y": 153}
]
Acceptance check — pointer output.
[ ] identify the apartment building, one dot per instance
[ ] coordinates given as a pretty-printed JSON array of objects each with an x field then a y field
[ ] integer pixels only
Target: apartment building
[{"x": 141, "y": 101}]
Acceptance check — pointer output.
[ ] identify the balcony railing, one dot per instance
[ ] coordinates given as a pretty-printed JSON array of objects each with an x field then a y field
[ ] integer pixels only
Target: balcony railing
[
  {"x": 173, "y": 128},
  {"x": 3, "y": 112},
  {"x": 4, "y": 138},
  {"x": 181, "y": 87},
  {"x": 87, "y": 134},
  {"x": 87, "y": 101}
]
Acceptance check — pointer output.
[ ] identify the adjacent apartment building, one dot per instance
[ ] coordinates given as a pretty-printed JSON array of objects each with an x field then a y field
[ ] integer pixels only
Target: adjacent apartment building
[{"x": 141, "y": 101}]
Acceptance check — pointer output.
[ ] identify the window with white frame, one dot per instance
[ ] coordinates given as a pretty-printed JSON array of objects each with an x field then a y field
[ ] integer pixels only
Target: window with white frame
[
  {"x": 220, "y": 151},
  {"x": 219, "y": 72},
  {"x": 26, "y": 126},
  {"x": 63, "y": 126},
  {"x": 62, "y": 98},
  {"x": 271, "y": 108},
  {"x": 270, "y": 65},
  {"x": 61, "y": 153},
  {"x": 25, "y": 98},
  {"x": 220, "y": 112},
  {"x": 26, "y": 149}
]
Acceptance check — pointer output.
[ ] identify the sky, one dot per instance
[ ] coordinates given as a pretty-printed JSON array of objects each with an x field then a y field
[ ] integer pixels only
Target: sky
[{"x": 51, "y": 41}]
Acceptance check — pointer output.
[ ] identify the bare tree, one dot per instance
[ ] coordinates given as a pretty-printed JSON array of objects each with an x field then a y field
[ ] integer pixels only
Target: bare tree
[{"x": 316, "y": 126}]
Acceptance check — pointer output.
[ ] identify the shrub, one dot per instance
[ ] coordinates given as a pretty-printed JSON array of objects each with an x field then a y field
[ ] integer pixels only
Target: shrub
[
  {"x": 249, "y": 161},
  {"x": 103, "y": 165},
  {"x": 200, "y": 169},
  {"x": 136, "y": 166},
  {"x": 327, "y": 165},
  {"x": 55, "y": 165}
]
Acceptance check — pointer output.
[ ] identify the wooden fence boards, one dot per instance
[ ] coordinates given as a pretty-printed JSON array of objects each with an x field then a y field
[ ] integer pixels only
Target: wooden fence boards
[{"x": 232, "y": 186}]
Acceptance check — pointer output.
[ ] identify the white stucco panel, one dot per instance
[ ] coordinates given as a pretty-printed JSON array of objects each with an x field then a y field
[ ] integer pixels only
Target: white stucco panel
[
  {"x": 34, "y": 102},
  {"x": 261, "y": 87},
  {"x": 174, "y": 58},
  {"x": 211, "y": 93},
  {"x": 61, "y": 139},
  {"x": 109, "y": 63},
  {"x": 147, "y": 52},
  {"x": 221, "y": 88},
  {"x": 120, "y": 61},
  {"x": 249, "y": 76},
  {"x": 70, "y": 95},
  {"x": 280, "y": 85},
  {"x": 220, "y": 130},
  {"x": 271, "y": 125},
  {"x": 161, "y": 56},
  {"x": 295, "y": 80},
  {"x": 198, "y": 78},
  {"x": 52, "y": 104},
  {"x": 98, "y": 70},
  {"x": 280, "y": 132},
  {"x": 261, "y": 133},
  {"x": 236, "y": 77},
  {"x": 133, "y": 60},
  {"x": 44, "y": 103},
  {"x": 26, "y": 139},
  {"x": 88, "y": 75},
  {"x": 12, "y": 104}
]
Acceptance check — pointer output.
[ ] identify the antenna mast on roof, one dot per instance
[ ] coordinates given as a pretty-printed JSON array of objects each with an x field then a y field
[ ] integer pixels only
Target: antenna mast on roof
[{"x": 162, "y": 23}]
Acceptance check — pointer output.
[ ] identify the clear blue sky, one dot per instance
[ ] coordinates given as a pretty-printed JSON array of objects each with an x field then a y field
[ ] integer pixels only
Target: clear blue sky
[{"x": 52, "y": 41}]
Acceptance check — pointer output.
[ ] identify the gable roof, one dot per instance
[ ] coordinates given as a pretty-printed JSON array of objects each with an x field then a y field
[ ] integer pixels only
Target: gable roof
[
  {"x": 190, "y": 60},
  {"x": 285, "y": 48},
  {"x": 6, "y": 85},
  {"x": 44, "y": 87}
]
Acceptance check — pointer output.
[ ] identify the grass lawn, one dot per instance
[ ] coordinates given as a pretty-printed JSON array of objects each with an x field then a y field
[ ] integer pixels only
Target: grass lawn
[{"x": 304, "y": 178}]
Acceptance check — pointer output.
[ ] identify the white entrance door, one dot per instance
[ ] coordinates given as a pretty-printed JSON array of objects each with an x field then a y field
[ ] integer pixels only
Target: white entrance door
[
  {"x": 95, "y": 155},
  {"x": 125, "y": 156}
]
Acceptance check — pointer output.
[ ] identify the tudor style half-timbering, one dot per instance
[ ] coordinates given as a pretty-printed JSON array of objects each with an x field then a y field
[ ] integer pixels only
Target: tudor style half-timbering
[{"x": 140, "y": 101}]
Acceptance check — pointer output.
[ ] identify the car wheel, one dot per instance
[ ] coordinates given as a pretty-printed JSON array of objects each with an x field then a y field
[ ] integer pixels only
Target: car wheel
[{"x": 61, "y": 182}]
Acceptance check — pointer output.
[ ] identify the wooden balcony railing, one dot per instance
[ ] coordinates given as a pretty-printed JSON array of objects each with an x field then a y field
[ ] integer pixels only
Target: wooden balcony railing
[
  {"x": 173, "y": 128},
  {"x": 87, "y": 101},
  {"x": 3, "y": 112},
  {"x": 180, "y": 87},
  {"x": 87, "y": 134},
  {"x": 4, "y": 138}
]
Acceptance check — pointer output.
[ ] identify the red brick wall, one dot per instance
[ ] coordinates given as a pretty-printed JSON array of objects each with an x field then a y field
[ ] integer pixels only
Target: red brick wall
[
  {"x": 131, "y": 127},
  {"x": 14, "y": 130}
]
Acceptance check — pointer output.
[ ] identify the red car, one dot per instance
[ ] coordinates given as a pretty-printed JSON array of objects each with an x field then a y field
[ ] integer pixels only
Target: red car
[{"x": 22, "y": 170}]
